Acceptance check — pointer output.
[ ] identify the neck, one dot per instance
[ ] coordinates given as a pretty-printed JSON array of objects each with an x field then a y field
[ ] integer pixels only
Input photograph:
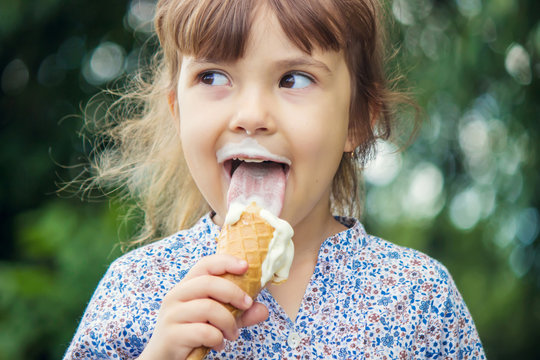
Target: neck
[{"x": 312, "y": 231}]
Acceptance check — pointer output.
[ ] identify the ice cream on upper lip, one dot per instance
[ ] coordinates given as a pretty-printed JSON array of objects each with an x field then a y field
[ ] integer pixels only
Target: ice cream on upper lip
[
  {"x": 248, "y": 150},
  {"x": 256, "y": 174}
]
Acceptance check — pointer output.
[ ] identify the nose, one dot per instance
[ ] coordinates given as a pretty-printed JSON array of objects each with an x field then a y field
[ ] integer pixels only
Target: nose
[{"x": 253, "y": 113}]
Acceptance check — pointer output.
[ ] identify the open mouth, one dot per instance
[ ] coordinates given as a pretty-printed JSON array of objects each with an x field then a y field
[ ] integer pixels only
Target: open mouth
[
  {"x": 260, "y": 180},
  {"x": 250, "y": 155},
  {"x": 232, "y": 164}
]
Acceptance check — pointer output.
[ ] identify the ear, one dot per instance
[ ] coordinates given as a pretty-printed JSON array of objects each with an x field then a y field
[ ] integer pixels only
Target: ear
[
  {"x": 171, "y": 99},
  {"x": 173, "y": 108}
]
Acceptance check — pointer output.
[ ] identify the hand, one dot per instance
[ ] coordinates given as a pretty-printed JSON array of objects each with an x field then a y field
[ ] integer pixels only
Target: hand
[{"x": 192, "y": 313}]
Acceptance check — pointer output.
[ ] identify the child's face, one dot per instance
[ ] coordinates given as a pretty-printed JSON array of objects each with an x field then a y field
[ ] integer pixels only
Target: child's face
[{"x": 293, "y": 104}]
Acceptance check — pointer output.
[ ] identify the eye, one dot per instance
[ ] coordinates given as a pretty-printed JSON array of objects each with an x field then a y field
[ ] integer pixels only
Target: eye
[
  {"x": 213, "y": 78},
  {"x": 295, "y": 80}
]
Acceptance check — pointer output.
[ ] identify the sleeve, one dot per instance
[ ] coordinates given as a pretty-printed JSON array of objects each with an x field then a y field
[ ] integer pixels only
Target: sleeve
[
  {"x": 118, "y": 320},
  {"x": 451, "y": 332}
]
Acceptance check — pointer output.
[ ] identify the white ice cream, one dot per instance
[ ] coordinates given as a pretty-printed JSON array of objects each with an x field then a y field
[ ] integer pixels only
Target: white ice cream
[
  {"x": 280, "y": 255},
  {"x": 233, "y": 214}
]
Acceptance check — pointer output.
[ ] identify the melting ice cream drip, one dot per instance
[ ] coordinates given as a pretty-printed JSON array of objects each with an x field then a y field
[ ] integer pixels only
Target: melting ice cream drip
[{"x": 278, "y": 260}]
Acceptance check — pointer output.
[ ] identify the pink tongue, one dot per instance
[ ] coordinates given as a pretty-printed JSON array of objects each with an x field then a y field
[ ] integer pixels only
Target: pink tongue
[{"x": 263, "y": 183}]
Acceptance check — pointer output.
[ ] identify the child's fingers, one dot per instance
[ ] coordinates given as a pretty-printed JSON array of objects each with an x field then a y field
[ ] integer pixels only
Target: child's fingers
[
  {"x": 208, "y": 286},
  {"x": 199, "y": 334},
  {"x": 176, "y": 341},
  {"x": 254, "y": 315},
  {"x": 211, "y": 312},
  {"x": 217, "y": 264}
]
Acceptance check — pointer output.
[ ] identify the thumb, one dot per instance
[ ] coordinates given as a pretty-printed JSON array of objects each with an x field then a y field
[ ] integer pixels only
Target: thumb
[{"x": 254, "y": 315}]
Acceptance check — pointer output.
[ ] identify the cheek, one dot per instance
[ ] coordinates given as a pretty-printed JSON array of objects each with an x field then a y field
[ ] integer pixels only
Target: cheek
[
  {"x": 195, "y": 123},
  {"x": 311, "y": 142},
  {"x": 195, "y": 138},
  {"x": 322, "y": 135}
]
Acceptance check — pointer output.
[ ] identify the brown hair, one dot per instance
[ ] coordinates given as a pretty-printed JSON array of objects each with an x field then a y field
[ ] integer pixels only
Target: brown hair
[{"x": 146, "y": 155}]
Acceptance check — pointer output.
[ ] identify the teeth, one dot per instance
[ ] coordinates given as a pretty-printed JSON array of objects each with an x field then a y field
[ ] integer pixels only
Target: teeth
[{"x": 249, "y": 160}]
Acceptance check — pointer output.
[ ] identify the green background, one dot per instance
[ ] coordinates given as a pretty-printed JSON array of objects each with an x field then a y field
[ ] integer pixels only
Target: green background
[{"x": 465, "y": 192}]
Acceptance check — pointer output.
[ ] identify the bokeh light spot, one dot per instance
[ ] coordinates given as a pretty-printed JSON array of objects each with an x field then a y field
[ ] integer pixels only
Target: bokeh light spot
[
  {"x": 49, "y": 73},
  {"x": 105, "y": 63},
  {"x": 473, "y": 136},
  {"x": 528, "y": 226},
  {"x": 518, "y": 64},
  {"x": 140, "y": 15},
  {"x": 384, "y": 168},
  {"x": 521, "y": 260},
  {"x": 423, "y": 199},
  {"x": 466, "y": 209},
  {"x": 507, "y": 227},
  {"x": 434, "y": 42},
  {"x": 469, "y": 8},
  {"x": 402, "y": 12},
  {"x": 71, "y": 53},
  {"x": 408, "y": 12},
  {"x": 15, "y": 77}
]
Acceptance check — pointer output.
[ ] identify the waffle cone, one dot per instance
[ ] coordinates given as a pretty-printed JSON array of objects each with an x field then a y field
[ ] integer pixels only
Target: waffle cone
[{"x": 246, "y": 239}]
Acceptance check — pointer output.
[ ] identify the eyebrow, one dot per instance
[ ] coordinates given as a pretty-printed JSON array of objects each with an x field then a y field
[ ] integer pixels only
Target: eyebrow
[
  {"x": 285, "y": 63},
  {"x": 303, "y": 61},
  {"x": 194, "y": 62}
]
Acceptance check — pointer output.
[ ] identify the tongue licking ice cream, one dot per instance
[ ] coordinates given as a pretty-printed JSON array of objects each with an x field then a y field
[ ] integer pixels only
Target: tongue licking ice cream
[
  {"x": 263, "y": 183},
  {"x": 260, "y": 180},
  {"x": 253, "y": 233},
  {"x": 260, "y": 177}
]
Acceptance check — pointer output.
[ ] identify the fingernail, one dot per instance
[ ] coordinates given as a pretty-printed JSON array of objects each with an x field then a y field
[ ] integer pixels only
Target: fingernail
[
  {"x": 247, "y": 300},
  {"x": 243, "y": 263}
]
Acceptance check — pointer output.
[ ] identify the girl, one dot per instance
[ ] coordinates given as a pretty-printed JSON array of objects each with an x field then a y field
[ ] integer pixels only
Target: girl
[{"x": 299, "y": 85}]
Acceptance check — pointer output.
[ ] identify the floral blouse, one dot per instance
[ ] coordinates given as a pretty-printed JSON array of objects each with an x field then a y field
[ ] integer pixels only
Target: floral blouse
[{"x": 367, "y": 299}]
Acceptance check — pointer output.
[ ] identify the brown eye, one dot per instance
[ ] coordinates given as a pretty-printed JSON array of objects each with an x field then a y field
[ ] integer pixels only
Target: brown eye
[
  {"x": 213, "y": 78},
  {"x": 295, "y": 81},
  {"x": 287, "y": 81}
]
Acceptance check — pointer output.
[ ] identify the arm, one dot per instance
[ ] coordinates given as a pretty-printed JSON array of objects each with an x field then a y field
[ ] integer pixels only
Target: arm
[{"x": 192, "y": 314}]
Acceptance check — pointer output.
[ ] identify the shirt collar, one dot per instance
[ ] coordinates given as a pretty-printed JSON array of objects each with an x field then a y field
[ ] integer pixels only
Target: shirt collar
[
  {"x": 353, "y": 238},
  {"x": 350, "y": 240}
]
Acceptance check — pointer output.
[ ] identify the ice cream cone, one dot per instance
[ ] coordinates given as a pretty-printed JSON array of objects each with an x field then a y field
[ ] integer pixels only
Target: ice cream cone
[{"x": 249, "y": 239}]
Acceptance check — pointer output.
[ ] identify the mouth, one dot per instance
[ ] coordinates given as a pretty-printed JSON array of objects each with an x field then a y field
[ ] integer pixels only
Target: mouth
[
  {"x": 232, "y": 155},
  {"x": 230, "y": 165},
  {"x": 256, "y": 179}
]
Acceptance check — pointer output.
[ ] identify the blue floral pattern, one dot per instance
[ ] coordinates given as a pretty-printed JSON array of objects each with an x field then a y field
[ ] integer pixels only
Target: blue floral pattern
[{"x": 367, "y": 299}]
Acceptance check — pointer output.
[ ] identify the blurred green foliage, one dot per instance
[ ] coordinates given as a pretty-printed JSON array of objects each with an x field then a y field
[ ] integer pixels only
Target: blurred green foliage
[
  {"x": 61, "y": 254},
  {"x": 465, "y": 192}
]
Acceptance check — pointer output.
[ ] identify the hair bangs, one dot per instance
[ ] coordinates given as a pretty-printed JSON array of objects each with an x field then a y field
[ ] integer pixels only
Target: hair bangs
[
  {"x": 309, "y": 24},
  {"x": 220, "y": 29},
  {"x": 214, "y": 29}
]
